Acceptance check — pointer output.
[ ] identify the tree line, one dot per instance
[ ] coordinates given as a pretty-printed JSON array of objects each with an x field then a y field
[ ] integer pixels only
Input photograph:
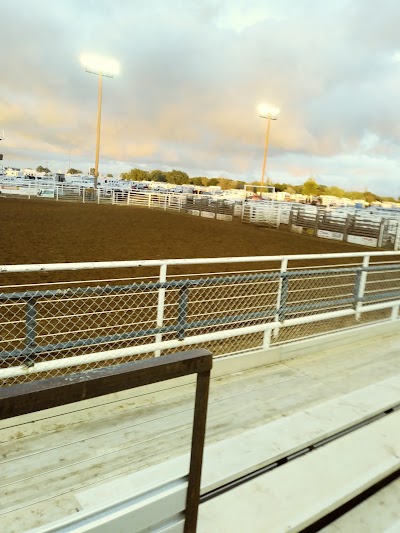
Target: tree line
[
  {"x": 177, "y": 177},
  {"x": 310, "y": 187}
]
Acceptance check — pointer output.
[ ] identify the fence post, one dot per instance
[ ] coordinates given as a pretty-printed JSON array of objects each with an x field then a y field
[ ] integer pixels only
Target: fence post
[
  {"x": 149, "y": 200},
  {"x": 382, "y": 228},
  {"x": 182, "y": 311},
  {"x": 397, "y": 238},
  {"x": 30, "y": 330},
  {"x": 113, "y": 198},
  {"x": 128, "y": 198},
  {"x": 267, "y": 339},
  {"x": 83, "y": 194},
  {"x": 98, "y": 196},
  {"x": 316, "y": 223},
  {"x": 278, "y": 216},
  {"x": 165, "y": 201},
  {"x": 160, "y": 305},
  {"x": 291, "y": 218},
  {"x": 360, "y": 289},
  {"x": 244, "y": 208},
  {"x": 281, "y": 296},
  {"x": 395, "y": 313},
  {"x": 56, "y": 194},
  {"x": 347, "y": 225},
  {"x": 216, "y": 209}
]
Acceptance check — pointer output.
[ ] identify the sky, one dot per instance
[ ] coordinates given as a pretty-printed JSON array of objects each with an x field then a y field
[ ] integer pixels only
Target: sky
[{"x": 191, "y": 76}]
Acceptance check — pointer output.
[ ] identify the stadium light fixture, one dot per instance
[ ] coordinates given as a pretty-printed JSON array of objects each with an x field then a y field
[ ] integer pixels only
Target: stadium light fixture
[
  {"x": 101, "y": 66},
  {"x": 269, "y": 113}
]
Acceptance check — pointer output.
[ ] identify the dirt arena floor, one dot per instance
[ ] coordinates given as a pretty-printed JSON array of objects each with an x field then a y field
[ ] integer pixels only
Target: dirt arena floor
[
  {"x": 40, "y": 231},
  {"x": 45, "y": 231}
]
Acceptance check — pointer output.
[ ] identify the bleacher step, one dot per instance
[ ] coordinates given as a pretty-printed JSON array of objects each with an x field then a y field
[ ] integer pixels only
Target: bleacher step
[{"x": 306, "y": 489}]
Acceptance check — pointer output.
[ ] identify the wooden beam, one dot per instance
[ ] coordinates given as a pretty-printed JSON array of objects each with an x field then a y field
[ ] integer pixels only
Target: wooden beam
[{"x": 52, "y": 392}]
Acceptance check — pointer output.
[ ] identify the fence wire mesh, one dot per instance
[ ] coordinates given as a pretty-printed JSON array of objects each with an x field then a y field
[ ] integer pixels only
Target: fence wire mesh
[{"x": 53, "y": 328}]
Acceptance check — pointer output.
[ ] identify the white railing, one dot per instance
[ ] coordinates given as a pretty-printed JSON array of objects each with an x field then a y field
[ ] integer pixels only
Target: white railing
[{"x": 246, "y": 304}]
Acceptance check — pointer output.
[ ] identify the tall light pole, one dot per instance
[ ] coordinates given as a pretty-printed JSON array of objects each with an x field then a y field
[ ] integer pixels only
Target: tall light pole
[
  {"x": 270, "y": 113},
  {"x": 109, "y": 68}
]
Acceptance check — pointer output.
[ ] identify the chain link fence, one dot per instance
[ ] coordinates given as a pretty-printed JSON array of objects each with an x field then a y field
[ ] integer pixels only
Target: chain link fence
[{"x": 62, "y": 325}]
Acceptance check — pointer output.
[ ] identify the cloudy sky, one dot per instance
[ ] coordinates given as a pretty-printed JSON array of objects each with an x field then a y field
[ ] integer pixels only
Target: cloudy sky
[{"x": 192, "y": 74}]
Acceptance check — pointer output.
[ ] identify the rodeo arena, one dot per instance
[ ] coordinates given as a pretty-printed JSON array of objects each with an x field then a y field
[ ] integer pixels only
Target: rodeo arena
[{"x": 222, "y": 394}]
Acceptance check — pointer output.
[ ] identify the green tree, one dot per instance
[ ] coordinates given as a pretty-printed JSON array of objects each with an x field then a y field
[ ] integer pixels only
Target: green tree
[
  {"x": 310, "y": 187},
  {"x": 212, "y": 182},
  {"x": 196, "y": 181},
  {"x": 355, "y": 195},
  {"x": 110, "y": 176},
  {"x": 240, "y": 184},
  {"x": 335, "y": 191},
  {"x": 226, "y": 183},
  {"x": 135, "y": 174},
  {"x": 371, "y": 197},
  {"x": 157, "y": 175},
  {"x": 178, "y": 177},
  {"x": 280, "y": 187},
  {"x": 92, "y": 171},
  {"x": 42, "y": 169},
  {"x": 74, "y": 171}
]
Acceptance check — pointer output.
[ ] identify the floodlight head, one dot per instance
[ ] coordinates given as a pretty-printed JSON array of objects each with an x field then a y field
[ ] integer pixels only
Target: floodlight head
[
  {"x": 96, "y": 64},
  {"x": 268, "y": 111}
]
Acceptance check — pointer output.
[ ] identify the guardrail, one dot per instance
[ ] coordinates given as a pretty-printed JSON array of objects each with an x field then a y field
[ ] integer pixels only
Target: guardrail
[
  {"x": 54, "y": 392},
  {"x": 48, "y": 327}
]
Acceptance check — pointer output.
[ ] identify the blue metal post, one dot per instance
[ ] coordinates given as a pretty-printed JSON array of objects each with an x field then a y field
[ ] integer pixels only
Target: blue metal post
[{"x": 30, "y": 330}]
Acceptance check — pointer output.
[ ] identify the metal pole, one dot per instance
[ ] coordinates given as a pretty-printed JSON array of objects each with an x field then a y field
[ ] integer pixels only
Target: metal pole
[
  {"x": 265, "y": 150},
  {"x": 96, "y": 165}
]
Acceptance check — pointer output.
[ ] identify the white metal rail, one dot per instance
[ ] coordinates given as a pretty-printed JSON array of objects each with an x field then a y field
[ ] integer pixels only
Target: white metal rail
[{"x": 53, "y": 325}]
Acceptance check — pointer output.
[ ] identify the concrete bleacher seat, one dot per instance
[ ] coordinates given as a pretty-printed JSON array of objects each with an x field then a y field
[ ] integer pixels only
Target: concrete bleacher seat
[
  {"x": 288, "y": 498},
  {"x": 102, "y": 461}
]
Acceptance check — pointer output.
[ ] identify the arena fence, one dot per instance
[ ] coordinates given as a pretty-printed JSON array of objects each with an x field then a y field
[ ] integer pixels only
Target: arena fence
[
  {"x": 58, "y": 318},
  {"x": 366, "y": 230},
  {"x": 194, "y": 204}
]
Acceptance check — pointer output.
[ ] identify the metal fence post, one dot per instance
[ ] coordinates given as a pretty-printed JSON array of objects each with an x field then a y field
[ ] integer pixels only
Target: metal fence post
[
  {"x": 83, "y": 194},
  {"x": 291, "y": 212},
  {"x": 149, "y": 200},
  {"x": 359, "y": 287},
  {"x": 266, "y": 339},
  {"x": 349, "y": 220},
  {"x": 284, "y": 295},
  {"x": 316, "y": 223},
  {"x": 382, "y": 228},
  {"x": 160, "y": 306},
  {"x": 278, "y": 216},
  {"x": 396, "y": 243},
  {"x": 30, "y": 329},
  {"x": 284, "y": 264},
  {"x": 56, "y": 194},
  {"x": 182, "y": 311}
]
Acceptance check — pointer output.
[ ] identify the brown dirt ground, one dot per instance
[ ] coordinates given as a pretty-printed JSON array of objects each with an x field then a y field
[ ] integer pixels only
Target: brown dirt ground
[{"x": 45, "y": 231}]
